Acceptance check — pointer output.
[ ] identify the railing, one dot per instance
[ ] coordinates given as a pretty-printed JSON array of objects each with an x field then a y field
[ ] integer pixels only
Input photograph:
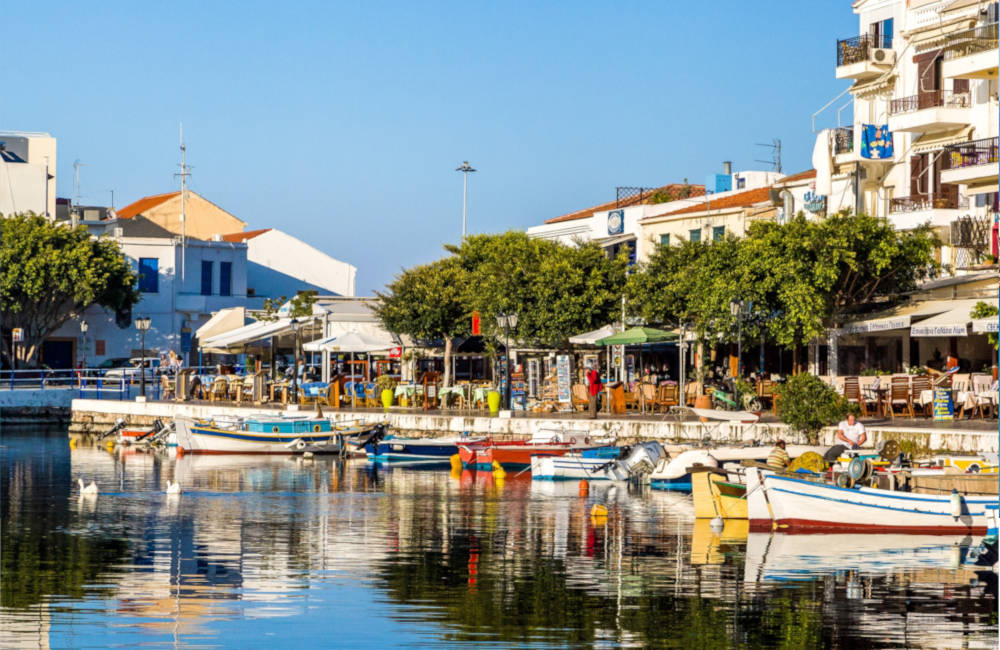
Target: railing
[
  {"x": 843, "y": 140},
  {"x": 856, "y": 49},
  {"x": 971, "y": 41},
  {"x": 970, "y": 154},
  {"x": 930, "y": 99},
  {"x": 924, "y": 202}
]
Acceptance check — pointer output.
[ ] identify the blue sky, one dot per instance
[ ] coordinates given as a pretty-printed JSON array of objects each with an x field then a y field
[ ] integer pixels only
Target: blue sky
[{"x": 342, "y": 123}]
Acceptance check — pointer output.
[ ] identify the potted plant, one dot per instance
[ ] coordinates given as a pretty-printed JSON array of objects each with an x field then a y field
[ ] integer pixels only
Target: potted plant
[{"x": 386, "y": 387}]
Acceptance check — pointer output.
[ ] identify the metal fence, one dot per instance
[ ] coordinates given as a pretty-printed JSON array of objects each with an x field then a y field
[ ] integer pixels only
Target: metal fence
[
  {"x": 971, "y": 41},
  {"x": 970, "y": 154},
  {"x": 858, "y": 48},
  {"x": 843, "y": 140},
  {"x": 930, "y": 99},
  {"x": 96, "y": 383}
]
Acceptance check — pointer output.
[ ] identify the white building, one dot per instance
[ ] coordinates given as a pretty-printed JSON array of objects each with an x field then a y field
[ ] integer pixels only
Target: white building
[
  {"x": 927, "y": 71},
  {"x": 281, "y": 265},
  {"x": 27, "y": 173}
]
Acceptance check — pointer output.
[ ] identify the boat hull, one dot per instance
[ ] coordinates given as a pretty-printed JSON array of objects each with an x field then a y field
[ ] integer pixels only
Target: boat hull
[
  {"x": 412, "y": 450},
  {"x": 508, "y": 456},
  {"x": 803, "y": 506},
  {"x": 204, "y": 437},
  {"x": 715, "y": 497},
  {"x": 573, "y": 467}
]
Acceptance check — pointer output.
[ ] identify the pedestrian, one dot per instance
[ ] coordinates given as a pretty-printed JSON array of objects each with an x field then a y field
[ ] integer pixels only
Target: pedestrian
[{"x": 594, "y": 386}]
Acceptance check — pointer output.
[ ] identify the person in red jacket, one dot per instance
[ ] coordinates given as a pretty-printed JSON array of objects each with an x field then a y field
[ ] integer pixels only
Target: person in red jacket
[{"x": 594, "y": 386}]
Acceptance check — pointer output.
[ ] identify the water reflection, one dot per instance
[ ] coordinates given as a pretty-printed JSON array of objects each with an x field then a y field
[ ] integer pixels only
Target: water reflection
[{"x": 354, "y": 555}]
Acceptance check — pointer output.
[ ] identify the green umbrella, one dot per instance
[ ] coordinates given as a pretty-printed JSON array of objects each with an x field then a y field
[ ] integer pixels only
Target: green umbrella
[{"x": 638, "y": 336}]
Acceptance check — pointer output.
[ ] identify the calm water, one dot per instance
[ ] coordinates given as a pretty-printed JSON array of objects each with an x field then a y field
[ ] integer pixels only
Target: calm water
[{"x": 283, "y": 553}]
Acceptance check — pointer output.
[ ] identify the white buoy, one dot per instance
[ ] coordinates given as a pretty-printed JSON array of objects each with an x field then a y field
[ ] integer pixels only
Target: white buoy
[
  {"x": 90, "y": 490},
  {"x": 173, "y": 487},
  {"x": 956, "y": 504},
  {"x": 307, "y": 454},
  {"x": 717, "y": 524}
]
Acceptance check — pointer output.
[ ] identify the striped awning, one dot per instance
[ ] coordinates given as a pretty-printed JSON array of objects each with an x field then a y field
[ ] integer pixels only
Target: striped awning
[{"x": 935, "y": 141}]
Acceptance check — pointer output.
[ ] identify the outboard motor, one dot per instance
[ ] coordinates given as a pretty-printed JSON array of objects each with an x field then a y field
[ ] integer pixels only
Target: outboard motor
[
  {"x": 644, "y": 458},
  {"x": 119, "y": 425}
]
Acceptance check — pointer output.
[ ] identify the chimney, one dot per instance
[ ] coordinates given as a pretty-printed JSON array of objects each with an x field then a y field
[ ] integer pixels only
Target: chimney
[{"x": 727, "y": 167}]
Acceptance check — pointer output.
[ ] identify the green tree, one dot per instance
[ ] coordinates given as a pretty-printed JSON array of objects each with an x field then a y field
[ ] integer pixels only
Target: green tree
[
  {"x": 428, "y": 302},
  {"x": 51, "y": 273},
  {"x": 808, "y": 404},
  {"x": 985, "y": 310}
]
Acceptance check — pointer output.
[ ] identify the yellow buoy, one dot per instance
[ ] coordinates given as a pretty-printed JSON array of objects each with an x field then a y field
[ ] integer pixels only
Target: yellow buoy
[
  {"x": 599, "y": 510},
  {"x": 498, "y": 471},
  {"x": 72, "y": 443},
  {"x": 456, "y": 463}
]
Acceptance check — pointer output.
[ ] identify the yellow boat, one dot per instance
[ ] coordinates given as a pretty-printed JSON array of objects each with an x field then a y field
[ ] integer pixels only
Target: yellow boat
[
  {"x": 708, "y": 546},
  {"x": 716, "y": 497}
]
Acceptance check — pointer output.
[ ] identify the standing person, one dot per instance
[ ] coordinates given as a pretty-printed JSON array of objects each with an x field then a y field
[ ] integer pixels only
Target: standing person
[
  {"x": 852, "y": 432},
  {"x": 594, "y": 386}
]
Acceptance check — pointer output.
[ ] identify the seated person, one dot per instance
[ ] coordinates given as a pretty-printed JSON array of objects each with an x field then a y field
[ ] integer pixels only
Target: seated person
[
  {"x": 851, "y": 432},
  {"x": 778, "y": 458}
]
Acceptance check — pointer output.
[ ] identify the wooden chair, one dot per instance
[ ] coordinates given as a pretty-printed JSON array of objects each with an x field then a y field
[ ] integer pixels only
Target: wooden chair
[
  {"x": 765, "y": 391},
  {"x": 853, "y": 394},
  {"x": 980, "y": 388},
  {"x": 920, "y": 384},
  {"x": 690, "y": 393},
  {"x": 899, "y": 395},
  {"x": 219, "y": 390},
  {"x": 962, "y": 387},
  {"x": 666, "y": 397},
  {"x": 647, "y": 396},
  {"x": 166, "y": 387},
  {"x": 579, "y": 397}
]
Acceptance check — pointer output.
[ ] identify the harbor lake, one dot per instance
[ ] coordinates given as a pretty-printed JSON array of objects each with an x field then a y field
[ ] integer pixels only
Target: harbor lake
[{"x": 274, "y": 552}]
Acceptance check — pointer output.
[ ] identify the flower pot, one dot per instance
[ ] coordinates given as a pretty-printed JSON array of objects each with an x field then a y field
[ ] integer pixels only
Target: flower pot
[
  {"x": 386, "y": 399},
  {"x": 493, "y": 399},
  {"x": 703, "y": 402}
]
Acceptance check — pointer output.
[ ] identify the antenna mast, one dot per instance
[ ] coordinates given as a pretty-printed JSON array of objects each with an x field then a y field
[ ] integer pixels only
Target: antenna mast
[
  {"x": 184, "y": 173},
  {"x": 775, "y": 148},
  {"x": 76, "y": 180}
]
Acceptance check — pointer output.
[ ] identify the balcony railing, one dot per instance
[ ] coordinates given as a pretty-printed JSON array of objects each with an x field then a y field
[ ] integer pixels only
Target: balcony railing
[
  {"x": 970, "y": 154},
  {"x": 930, "y": 99},
  {"x": 843, "y": 140},
  {"x": 971, "y": 41},
  {"x": 927, "y": 202},
  {"x": 856, "y": 50}
]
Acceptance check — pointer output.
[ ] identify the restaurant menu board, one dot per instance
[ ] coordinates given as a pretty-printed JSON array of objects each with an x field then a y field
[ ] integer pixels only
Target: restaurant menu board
[
  {"x": 518, "y": 395},
  {"x": 944, "y": 408},
  {"x": 563, "y": 379}
]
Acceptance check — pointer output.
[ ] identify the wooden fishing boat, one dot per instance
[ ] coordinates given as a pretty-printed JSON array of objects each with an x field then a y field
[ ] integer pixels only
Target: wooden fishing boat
[
  {"x": 792, "y": 504},
  {"x": 423, "y": 451},
  {"x": 266, "y": 434},
  {"x": 516, "y": 454},
  {"x": 714, "y": 496}
]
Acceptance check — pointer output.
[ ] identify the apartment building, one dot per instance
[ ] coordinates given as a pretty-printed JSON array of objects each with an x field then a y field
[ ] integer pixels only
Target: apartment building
[{"x": 27, "y": 173}]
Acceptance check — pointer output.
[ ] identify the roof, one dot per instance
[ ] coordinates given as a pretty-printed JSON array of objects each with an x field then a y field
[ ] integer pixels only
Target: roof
[
  {"x": 145, "y": 203},
  {"x": 741, "y": 200},
  {"x": 243, "y": 236},
  {"x": 801, "y": 176},
  {"x": 696, "y": 190}
]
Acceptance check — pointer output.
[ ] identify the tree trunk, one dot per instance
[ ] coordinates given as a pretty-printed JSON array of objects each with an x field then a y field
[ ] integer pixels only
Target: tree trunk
[{"x": 447, "y": 361}]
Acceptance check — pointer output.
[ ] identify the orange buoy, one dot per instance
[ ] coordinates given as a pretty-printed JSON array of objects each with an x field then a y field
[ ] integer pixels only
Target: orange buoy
[{"x": 584, "y": 487}]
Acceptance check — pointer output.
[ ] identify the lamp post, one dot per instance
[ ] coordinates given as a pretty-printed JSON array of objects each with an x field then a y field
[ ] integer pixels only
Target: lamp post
[
  {"x": 507, "y": 322},
  {"x": 142, "y": 324},
  {"x": 83, "y": 331},
  {"x": 739, "y": 310},
  {"x": 293, "y": 392},
  {"x": 466, "y": 168}
]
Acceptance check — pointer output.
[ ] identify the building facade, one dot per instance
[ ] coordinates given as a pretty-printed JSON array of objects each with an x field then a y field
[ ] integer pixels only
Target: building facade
[{"x": 27, "y": 173}]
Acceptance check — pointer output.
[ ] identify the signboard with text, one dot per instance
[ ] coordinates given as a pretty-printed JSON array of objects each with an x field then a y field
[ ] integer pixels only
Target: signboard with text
[
  {"x": 944, "y": 408},
  {"x": 563, "y": 379},
  {"x": 17, "y": 335}
]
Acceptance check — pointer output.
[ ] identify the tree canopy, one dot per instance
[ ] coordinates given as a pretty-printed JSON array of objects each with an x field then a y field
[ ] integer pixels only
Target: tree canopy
[{"x": 51, "y": 273}]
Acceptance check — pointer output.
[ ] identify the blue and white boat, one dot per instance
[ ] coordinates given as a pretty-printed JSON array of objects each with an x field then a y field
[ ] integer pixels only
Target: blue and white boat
[
  {"x": 413, "y": 450},
  {"x": 598, "y": 464},
  {"x": 266, "y": 434},
  {"x": 675, "y": 473}
]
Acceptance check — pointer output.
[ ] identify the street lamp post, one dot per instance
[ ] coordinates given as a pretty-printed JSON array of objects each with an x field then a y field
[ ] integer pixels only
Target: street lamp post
[
  {"x": 507, "y": 322},
  {"x": 83, "y": 331},
  {"x": 142, "y": 324},
  {"x": 293, "y": 392},
  {"x": 466, "y": 168}
]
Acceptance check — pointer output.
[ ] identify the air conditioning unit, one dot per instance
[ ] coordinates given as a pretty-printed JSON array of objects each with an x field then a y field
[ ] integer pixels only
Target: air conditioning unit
[
  {"x": 216, "y": 237},
  {"x": 882, "y": 56}
]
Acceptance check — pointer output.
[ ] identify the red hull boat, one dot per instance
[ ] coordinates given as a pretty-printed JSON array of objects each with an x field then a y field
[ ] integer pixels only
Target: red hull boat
[{"x": 513, "y": 454}]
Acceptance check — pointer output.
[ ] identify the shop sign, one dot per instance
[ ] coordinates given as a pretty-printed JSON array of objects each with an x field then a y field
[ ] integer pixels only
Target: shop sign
[
  {"x": 396, "y": 352},
  {"x": 939, "y": 330},
  {"x": 17, "y": 335},
  {"x": 944, "y": 408},
  {"x": 813, "y": 202},
  {"x": 476, "y": 328},
  {"x": 877, "y": 325}
]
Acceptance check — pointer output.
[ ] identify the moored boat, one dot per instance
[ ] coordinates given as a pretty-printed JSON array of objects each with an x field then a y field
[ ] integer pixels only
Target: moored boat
[
  {"x": 598, "y": 464},
  {"x": 266, "y": 434},
  {"x": 413, "y": 450},
  {"x": 714, "y": 496},
  {"x": 517, "y": 454}
]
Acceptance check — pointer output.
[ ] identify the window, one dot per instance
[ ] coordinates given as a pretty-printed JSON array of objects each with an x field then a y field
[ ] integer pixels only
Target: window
[
  {"x": 664, "y": 240},
  {"x": 882, "y": 33},
  {"x": 206, "y": 278},
  {"x": 100, "y": 347},
  {"x": 741, "y": 183},
  {"x": 718, "y": 233},
  {"x": 149, "y": 276},
  {"x": 225, "y": 278},
  {"x": 695, "y": 235}
]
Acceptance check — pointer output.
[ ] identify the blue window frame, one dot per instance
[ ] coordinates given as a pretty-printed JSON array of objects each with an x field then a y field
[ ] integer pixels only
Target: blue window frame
[
  {"x": 694, "y": 235},
  {"x": 225, "y": 278},
  {"x": 718, "y": 232},
  {"x": 206, "y": 278},
  {"x": 149, "y": 275},
  {"x": 664, "y": 240}
]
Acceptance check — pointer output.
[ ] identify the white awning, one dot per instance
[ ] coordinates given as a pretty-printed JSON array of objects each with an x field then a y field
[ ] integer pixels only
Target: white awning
[
  {"x": 985, "y": 325},
  {"x": 350, "y": 342},
  {"x": 591, "y": 338},
  {"x": 982, "y": 188},
  {"x": 935, "y": 141},
  {"x": 954, "y": 322},
  {"x": 248, "y": 334},
  {"x": 222, "y": 321},
  {"x": 900, "y": 319}
]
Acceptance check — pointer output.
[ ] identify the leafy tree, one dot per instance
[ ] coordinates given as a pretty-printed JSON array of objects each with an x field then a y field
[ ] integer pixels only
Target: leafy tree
[
  {"x": 985, "y": 310},
  {"x": 428, "y": 302},
  {"x": 807, "y": 404},
  {"x": 51, "y": 273},
  {"x": 299, "y": 306}
]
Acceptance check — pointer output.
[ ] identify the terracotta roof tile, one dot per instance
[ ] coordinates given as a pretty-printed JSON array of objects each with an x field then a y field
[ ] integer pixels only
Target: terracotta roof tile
[
  {"x": 696, "y": 190},
  {"x": 741, "y": 200},
  {"x": 143, "y": 204},
  {"x": 811, "y": 173},
  {"x": 243, "y": 236}
]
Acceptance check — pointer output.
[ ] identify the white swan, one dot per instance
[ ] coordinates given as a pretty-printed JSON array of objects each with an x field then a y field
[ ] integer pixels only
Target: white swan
[
  {"x": 173, "y": 487},
  {"x": 90, "y": 490}
]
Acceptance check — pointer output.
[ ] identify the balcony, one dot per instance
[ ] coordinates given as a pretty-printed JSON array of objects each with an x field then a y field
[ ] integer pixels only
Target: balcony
[
  {"x": 912, "y": 211},
  {"x": 970, "y": 163},
  {"x": 857, "y": 57},
  {"x": 929, "y": 111},
  {"x": 971, "y": 54},
  {"x": 843, "y": 140}
]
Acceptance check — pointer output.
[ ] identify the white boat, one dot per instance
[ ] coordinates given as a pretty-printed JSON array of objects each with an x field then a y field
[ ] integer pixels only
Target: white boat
[
  {"x": 673, "y": 473},
  {"x": 800, "y": 505},
  {"x": 601, "y": 464},
  {"x": 265, "y": 434}
]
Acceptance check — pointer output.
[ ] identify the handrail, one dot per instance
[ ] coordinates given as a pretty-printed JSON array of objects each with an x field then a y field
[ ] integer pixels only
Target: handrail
[
  {"x": 981, "y": 38},
  {"x": 970, "y": 154},
  {"x": 930, "y": 99},
  {"x": 857, "y": 48}
]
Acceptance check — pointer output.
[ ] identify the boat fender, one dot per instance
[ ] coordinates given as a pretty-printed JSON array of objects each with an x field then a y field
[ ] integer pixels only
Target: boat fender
[
  {"x": 456, "y": 463},
  {"x": 300, "y": 444},
  {"x": 572, "y": 440},
  {"x": 716, "y": 525},
  {"x": 598, "y": 510},
  {"x": 584, "y": 487},
  {"x": 956, "y": 504},
  {"x": 586, "y": 440}
]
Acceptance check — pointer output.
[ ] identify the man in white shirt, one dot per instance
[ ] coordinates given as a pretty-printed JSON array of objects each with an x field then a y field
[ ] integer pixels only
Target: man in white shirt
[{"x": 851, "y": 432}]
